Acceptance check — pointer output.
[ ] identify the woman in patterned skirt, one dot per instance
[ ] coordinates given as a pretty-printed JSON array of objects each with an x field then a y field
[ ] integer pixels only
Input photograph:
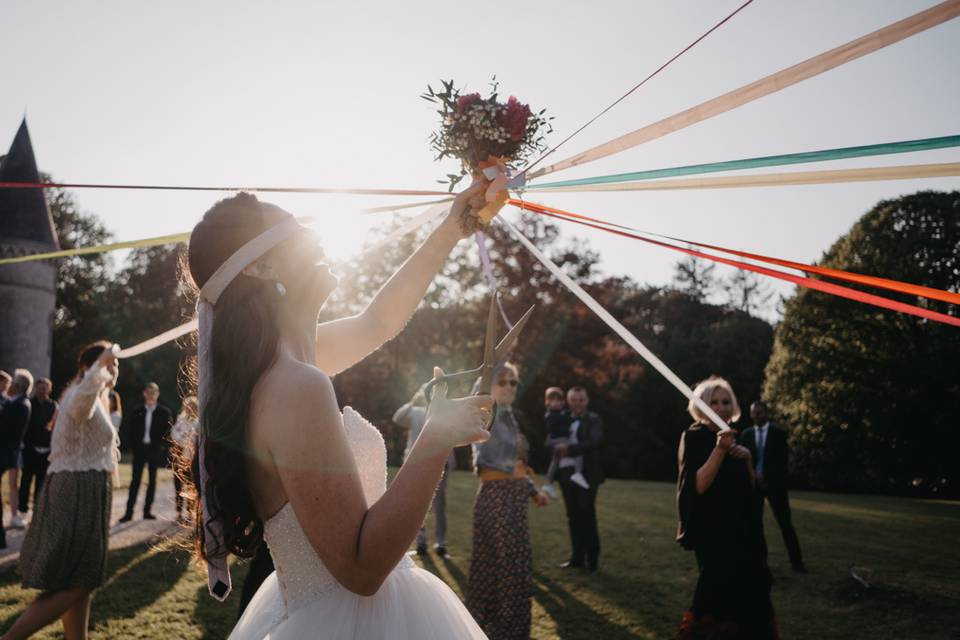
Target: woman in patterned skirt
[
  {"x": 65, "y": 550},
  {"x": 501, "y": 565}
]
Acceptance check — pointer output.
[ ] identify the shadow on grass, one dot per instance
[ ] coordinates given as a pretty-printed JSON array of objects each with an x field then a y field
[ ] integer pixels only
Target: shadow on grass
[
  {"x": 134, "y": 584},
  {"x": 135, "y": 580},
  {"x": 573, "y": 617},
  {"x": 457, "y": 576}
]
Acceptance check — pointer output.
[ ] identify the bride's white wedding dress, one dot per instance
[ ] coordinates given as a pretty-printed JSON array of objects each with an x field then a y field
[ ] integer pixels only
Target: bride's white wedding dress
[{"x": 302, "y": 600}]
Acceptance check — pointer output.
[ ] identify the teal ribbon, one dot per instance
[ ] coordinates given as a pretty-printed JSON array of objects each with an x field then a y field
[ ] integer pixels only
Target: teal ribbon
[{"x": 907, "y": 146}]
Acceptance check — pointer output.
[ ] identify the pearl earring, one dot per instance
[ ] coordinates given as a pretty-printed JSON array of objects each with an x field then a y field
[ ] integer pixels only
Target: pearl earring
[{"x": 282, "y": 290}]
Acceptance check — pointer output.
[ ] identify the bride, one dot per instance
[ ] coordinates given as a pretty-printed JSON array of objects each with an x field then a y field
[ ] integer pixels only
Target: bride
[{"x": 278, "y": 461}]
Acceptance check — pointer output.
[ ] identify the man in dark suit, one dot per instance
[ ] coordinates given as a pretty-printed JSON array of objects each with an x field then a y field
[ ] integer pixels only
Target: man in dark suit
[
  {"x": 14, "y": 419},
  {"x": 768, "y": 445},
  {"x": 582, "y": 450},
  {"x": 148, "y": 433}
]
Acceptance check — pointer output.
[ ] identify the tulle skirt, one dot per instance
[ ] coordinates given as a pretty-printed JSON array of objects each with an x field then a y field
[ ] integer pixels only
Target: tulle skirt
[{"x": 412, "y": 604}]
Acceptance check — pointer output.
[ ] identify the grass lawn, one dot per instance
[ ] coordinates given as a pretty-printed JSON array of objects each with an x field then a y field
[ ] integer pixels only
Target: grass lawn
[{"x": 904, "y": 548}]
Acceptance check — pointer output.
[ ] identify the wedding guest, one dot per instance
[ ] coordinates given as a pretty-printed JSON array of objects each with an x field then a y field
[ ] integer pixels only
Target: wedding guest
[
  {"x": 499, "y": 588},
  {"x": 717, "y": 521},
  {"x": 183, "y": 439},
  {"x": 579, "y": 465},
  {"x": 771, "y": 455},
  {"x": 116, "y": 410},
  {"x": 5, "y": 380},
  {"x": 14, "y": 420},
  {"x": 36, "y": 443},
  {"x": 148, "y": 429},
  {"x": 64, "y": 552},
  {"x": 412, "y": 416}
]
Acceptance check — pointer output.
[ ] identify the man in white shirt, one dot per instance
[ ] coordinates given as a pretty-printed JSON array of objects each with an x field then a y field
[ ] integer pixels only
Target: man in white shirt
[{"x": 148, "y": 433}]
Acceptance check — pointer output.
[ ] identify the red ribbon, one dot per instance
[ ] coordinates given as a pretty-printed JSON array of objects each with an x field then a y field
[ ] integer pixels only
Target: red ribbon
[
  {"x": 157, "y": 187},
  {"x": 810, "y": 283}
]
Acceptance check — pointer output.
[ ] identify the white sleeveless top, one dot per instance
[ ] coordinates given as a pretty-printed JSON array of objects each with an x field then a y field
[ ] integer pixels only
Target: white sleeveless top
[{"x": 84, "y": 438}]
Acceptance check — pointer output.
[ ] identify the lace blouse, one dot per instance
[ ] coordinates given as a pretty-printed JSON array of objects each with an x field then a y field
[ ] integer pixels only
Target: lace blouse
[{"x": 84, "y": 438}]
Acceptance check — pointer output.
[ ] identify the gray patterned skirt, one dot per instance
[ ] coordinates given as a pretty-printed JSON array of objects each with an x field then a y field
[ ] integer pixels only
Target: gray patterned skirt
[
  {"x": 500, "y": 584},
  {"x": 66, "y": 544}
]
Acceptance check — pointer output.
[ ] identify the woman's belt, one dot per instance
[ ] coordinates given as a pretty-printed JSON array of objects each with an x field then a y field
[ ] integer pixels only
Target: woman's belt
[{"x": 520, "y": 471}]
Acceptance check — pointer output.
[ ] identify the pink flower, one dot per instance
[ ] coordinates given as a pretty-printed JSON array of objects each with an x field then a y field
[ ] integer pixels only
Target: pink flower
[
  {"x": 513, "y": 118},
  {"x": 465, "y": 101}
]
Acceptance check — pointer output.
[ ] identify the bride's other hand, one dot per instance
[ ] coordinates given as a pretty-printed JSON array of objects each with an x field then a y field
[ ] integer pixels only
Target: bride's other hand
[{"x": 460, "y": 421}]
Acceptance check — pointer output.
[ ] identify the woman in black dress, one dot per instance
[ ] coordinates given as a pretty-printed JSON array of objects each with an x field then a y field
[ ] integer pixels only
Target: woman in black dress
[{"x": 717, "y": 522}]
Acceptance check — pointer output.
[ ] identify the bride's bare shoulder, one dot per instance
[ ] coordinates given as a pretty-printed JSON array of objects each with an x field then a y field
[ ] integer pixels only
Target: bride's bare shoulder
[{"x": 294, "y": 393}]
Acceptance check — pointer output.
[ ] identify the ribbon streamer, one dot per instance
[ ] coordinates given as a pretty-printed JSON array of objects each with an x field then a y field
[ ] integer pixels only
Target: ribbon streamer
[
  {"x": 615, "y": 324},
  {"x": 158, "y": 187},
  {"x": 159, "y": 340},
  {"x": 487, "y": 265},
  {"x": 773, "y": 83},
  {"x": 810, "y": 283},
  {"x": 885, "y": 148},
  {"x": 171, "y": 239},
  {"x": 838, "y": 274},
  {"x": 637, "y": 86},
  {"x": 791, "y": 178},
  {"x": 100, "y": 248}
]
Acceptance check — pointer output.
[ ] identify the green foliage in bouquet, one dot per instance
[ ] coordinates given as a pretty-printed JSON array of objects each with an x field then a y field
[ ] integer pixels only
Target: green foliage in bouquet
[{"x": 473, "y": 128}]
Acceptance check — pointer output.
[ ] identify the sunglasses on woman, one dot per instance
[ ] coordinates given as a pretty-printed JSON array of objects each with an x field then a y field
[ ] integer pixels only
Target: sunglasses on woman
[{"x": 503, "y": 383}]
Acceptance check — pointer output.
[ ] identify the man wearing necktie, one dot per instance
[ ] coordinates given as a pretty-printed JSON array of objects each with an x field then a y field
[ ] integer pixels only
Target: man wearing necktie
[
  {"x": 770, "y": 450},
  {"x": 148, "y": 431}
]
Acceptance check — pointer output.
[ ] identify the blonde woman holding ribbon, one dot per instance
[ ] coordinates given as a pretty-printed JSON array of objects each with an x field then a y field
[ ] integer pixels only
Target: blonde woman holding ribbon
[
  {"x": 279, "y": 462},
  {"x": 65, "y": 550},
  {"x": 718, "y": 522}
]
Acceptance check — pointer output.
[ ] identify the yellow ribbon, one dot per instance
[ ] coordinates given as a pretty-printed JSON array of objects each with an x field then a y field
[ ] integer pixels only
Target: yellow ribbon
[{"x": 100, "y": 248}]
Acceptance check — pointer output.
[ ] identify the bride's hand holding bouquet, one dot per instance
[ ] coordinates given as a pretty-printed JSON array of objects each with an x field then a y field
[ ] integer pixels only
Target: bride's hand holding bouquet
[{"x": 488, "y": 137}]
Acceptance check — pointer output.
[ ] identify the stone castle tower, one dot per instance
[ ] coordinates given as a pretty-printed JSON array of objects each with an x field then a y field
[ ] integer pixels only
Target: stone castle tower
[{"x": 27, "y": 290}]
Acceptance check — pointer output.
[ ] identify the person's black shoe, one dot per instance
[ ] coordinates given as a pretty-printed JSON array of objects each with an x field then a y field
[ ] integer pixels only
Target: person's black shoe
[
  {"x": 570, "y": 564},
  {"x": 149, "y": 516},
  {"x": 127, "y": 517},
  {"x": 442, "y": 552},
  {"x": 799, "y": 568},
  {"x": 591, "y": 571},
  {"x": 421, "y": 550}
]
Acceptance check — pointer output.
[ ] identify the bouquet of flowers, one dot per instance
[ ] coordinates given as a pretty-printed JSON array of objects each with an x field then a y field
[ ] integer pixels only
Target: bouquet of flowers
[{"x": 488, "y": 137}]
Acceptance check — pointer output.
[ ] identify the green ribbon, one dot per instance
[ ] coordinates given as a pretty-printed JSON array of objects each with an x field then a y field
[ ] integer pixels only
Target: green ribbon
[{"x": 907, "y": 146}]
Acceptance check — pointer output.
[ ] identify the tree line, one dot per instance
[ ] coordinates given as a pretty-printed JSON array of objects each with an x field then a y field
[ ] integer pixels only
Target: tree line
[{"x": 865, "y": 395}]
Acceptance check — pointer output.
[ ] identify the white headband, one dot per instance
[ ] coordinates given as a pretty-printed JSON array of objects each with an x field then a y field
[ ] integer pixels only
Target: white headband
[{"x": 245, "y": 256}]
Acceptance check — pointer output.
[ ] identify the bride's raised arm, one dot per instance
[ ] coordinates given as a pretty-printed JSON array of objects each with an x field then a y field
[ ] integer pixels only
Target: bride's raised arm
[{"x": 344, "y": 342}]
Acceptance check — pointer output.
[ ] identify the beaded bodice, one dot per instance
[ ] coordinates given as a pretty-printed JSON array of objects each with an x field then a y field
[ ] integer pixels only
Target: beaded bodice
[{"x": 302, "y": 576}]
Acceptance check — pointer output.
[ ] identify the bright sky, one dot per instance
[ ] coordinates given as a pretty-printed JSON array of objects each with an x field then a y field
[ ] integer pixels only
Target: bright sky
[{"x": 326, "y": 94}]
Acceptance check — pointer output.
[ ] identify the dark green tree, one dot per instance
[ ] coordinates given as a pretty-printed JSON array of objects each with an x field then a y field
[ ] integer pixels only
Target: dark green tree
[
  {"x": 82, "y": 281},
  {"x": 150, "y": 300},
  {"x": 870, "y": 395}
]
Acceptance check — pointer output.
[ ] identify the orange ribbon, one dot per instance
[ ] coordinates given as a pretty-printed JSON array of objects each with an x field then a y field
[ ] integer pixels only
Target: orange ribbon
[
  {"x": 494, "y": 172},
  {"x": 810, "y": 283}
]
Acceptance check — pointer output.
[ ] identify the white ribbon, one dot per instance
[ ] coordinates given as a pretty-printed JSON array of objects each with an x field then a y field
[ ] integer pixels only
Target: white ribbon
[{"x": 620, "y": 330}]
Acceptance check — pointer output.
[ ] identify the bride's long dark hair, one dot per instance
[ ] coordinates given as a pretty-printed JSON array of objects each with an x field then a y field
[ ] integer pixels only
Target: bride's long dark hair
[{"x": 243, "y": 345}]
